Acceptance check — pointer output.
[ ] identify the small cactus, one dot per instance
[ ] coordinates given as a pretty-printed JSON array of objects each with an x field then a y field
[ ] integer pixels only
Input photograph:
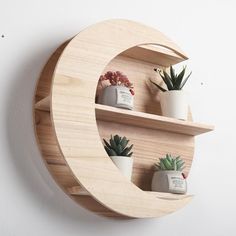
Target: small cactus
[
  {"x": 170, "y": 163},
  {"x": 173, "y": 81},
  {"x": 117, "y": 146}
]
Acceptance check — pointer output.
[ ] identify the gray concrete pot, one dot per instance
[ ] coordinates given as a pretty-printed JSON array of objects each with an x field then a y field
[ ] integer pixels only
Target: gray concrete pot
[
  {"x": 169, "y": 182},
  {"x": 117, "y": 96}
]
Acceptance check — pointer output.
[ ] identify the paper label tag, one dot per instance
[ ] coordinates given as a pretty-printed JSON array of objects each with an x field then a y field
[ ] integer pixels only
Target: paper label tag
[
  {"x": 124, "y": 97},
  {"x": 176, "y": 183}
]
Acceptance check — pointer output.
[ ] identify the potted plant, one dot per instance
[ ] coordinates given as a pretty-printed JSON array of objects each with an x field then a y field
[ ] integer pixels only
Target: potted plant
[
  {"x": 120, "y": 154},
  {"x": 168, "y": 176},
  {"x": 118, "y": 92},
  {"x": 174, "y": 102}
]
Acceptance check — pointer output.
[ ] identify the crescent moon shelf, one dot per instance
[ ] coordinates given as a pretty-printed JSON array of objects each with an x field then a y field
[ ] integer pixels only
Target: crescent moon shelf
[{"x": 69, "y": 125}]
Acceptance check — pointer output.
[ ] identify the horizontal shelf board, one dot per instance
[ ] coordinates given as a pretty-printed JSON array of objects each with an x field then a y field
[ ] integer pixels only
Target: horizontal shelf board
[
  {"x": 141, "y": 119},
  {"x": 154, "y": 54},
  {"x": 80, "y": 191}
]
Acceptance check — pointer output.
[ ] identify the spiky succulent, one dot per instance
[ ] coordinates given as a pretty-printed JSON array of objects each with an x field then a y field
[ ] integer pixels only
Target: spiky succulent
[
  {"x": 173, "y": 81},
  {"x": 117, "y": 146},
  {"x": 170, "y": 163}
]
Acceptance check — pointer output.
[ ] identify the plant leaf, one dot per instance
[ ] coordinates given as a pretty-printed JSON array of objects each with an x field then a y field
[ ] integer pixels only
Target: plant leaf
[
  {"x": 117, "y": 139},
  {"x": 174, "y": 165},
  {"x": 162, "y": 165},
  {"x": 107, "y": 150},
  {"x": 119, "y": 149},
  {"x": 167, "y": 164},
  {"x": 179, "y": 79},
  {"x": 180, "y": 166},
  {"x": 157, "y": 166},
  {"x": 130, "y": 154},
  {"x": 124, "y": 142},
  {"x": 112, "y": 153},
  {"x": 186, "y": 79},
  {"x": 169, "y": 158},
  {"x": 126, "y": 150},
  {"x": 172, "y": 75},
  {"x": 113, "y": 144},
  {"x": 177, "y": 158},
  {"x": 107, "y": 144},
  {"x": 166, "y": 78}
]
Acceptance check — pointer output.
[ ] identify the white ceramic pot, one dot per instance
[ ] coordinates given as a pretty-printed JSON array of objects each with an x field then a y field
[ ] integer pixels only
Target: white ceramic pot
[
  {"x": 117, "y": 96},
  {"x": 169, "y": 182},
  {"x": 174, "y": 104},
  {"x": 124, "y": 164}
]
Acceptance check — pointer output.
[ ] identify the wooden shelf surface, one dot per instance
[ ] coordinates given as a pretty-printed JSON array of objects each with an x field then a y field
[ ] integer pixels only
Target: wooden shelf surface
[
  {"x": 154, "y": 54},
  {"x": 70, "y": 139},
  {"x": 80, "y": 191},
  {"x": 151, "y": 121},
  {"x": 140, "y": 119}
]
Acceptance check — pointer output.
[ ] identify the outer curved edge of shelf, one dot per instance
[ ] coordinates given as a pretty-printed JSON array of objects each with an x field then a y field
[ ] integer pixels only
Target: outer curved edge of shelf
[{"x": 159, "y": 211}]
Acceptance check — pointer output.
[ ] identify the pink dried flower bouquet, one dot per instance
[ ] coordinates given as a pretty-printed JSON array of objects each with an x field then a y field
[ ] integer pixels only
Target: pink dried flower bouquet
[{"x": 117, "y": 78}]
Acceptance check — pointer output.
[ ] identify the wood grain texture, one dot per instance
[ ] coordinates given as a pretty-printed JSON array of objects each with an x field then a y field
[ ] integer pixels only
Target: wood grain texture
[
  {"x": 48, "y": 144},
  {"x": 70, "y": 135},
  {"x": 78, "y": 190},
  {"x": 155, "y": 55},
  {"x": 73, "y": 113},
  {"x": 150, "y": 121},
  {"x": 141, "y": 119}
]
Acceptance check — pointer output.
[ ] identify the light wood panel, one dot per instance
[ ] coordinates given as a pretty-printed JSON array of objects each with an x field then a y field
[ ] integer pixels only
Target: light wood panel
[
  {"x": 150, "y": 121},
  {"x": 155, "y": 55},
  {"x": 141, "y": 119},
  {"x": 78, "y": 190},
  {"x": 43, "y": 88},
  {"x": 73, "y": 92},
  {"x": 70, "y": 135},
  {"x": 48, "y": 144}
]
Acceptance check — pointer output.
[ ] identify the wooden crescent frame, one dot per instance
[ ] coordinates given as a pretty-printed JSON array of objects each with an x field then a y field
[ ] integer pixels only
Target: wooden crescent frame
[
  {"x": 70, "y": 132},
  {"x": 73, "y": 115}
]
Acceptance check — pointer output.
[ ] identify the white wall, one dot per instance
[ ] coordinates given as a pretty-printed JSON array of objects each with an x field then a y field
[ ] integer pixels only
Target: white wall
[{"x": 30, "y": 202}]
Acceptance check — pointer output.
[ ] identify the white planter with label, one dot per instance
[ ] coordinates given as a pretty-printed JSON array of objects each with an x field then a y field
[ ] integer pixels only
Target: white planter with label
[
  {"x": 124, "y": 164},
  {"x": 117, "y": 96},
  {"x": 169, "y": 181},
  {"x": 174, "y": 104}
]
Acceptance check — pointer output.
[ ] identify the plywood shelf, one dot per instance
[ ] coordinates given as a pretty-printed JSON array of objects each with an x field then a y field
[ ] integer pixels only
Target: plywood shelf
[
  {"x": 151, "y": 121},
  {"x": 155, "y": 54},
  {"x": 69, "y": 136},
  {"x": 78, "y": 190},
  {"x": 140, "y": 119}
]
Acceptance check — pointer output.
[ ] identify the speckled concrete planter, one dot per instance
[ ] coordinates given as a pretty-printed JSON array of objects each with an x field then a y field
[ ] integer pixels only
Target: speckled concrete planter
[
  {"x": 169, "y": 182},
  {"x": 117, "y": 96}
]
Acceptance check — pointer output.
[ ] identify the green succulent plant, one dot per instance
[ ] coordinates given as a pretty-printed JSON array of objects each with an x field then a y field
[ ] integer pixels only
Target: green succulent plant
[
  {"x": 173, "y": 81},
  {"x": 117, "y": 146},
  {"x": 170, "y": 163}
]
